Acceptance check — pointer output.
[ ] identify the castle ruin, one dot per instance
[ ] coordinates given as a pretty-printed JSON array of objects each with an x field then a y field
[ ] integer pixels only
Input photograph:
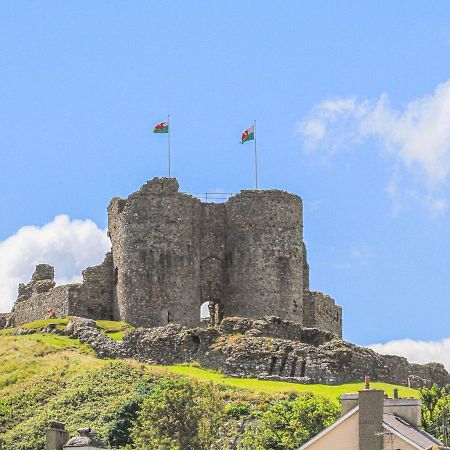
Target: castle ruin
[{"x": 171, "y": 253}]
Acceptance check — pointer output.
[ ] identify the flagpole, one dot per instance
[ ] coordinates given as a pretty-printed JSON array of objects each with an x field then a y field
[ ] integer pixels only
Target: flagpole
[
  {"x": 256, "y": 157},
  {"x": 168, "y": 138}
]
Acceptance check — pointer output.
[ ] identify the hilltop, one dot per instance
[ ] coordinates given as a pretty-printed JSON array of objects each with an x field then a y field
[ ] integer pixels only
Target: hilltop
[
  {"x": 244, "y": 261},
  {"x": 47, "y": 376}
]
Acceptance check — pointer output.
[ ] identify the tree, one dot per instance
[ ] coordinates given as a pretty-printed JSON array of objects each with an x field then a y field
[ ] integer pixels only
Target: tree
[
  {"x": 435, "y": 410},
  {"x": 290, "y": 423},
  {"x": 179, "y": 414}
]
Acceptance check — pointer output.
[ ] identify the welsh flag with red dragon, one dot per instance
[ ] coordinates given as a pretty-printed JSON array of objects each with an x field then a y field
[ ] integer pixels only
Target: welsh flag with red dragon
[
  {"x": 162, "y": 127},
  {"x": 248, "y": 134}
]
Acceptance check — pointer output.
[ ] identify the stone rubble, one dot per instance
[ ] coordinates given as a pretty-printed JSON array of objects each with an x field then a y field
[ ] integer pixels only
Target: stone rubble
[{"x": 246, "y": 348}]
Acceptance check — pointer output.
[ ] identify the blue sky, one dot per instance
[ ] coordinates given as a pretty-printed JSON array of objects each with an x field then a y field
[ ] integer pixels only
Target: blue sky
[{"x": 352, "y": 111}]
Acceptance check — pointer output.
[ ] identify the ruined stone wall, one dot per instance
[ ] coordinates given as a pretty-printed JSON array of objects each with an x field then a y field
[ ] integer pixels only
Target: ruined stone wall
[
  {"x": 155, "y": 235},
  {"x": 305, "y": 269},
  {"x": 274, "y": 327},
  {"x": 241, "y": 347},
  {"x": 38, "y": 305},
  {"x": 321, "y": 311},
  {"x": 95, "y": 299},
  {"x": 264, "y": 255},
  {"x": 3, "y": 319},
  {"x": 42, "y": 280},
  {"x": 92, "y": 298}
]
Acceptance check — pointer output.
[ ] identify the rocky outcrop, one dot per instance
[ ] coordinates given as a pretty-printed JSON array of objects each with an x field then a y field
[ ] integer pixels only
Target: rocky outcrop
[{"x": 251, "y": 348}]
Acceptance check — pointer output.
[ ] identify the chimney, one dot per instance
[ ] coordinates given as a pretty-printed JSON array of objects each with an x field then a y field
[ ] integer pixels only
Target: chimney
[
  {"x": 395, "y": 393},
  {"x": 371, "y": 418},
  {"x": 348, "y": 402},
  {"x": 55, "y": 436}
]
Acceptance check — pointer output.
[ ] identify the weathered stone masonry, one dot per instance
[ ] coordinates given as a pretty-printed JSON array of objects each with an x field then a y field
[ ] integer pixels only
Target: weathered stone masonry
[
  {"x": 267, "y": 348},
  {"x": 91, "y": 299},
  {"x": 171, "y": 253}
]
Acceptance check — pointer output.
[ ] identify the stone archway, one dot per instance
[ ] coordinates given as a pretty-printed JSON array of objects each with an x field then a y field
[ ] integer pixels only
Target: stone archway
[
  {"x": 211, "y": 313},
  {"x": 211, "y": 285}
]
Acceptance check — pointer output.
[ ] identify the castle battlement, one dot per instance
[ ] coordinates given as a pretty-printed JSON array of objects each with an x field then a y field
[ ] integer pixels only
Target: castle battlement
[{"x": 171, "y": 253}]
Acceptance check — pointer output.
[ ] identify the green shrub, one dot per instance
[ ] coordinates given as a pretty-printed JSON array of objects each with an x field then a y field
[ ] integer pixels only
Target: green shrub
[
  {"x": 435, "y": 410},
  {"x": 127, "y": 413},
  {"x": 179, "y": 414},
  {"x": 289, "y": 423},
  {"x": 237, "y": 410},
  {"x": 90, "y": 399}
]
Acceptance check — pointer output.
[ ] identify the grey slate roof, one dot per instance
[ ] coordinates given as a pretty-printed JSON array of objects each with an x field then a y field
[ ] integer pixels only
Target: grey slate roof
[
  {"x": 87, "y": 438},
  {"x": 416, "y": 435}
]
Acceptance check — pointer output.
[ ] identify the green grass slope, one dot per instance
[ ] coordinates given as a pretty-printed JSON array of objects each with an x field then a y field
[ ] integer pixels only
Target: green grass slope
[
  {"x": 330, "y": 392},
  {"x": 45, "y": 376}
]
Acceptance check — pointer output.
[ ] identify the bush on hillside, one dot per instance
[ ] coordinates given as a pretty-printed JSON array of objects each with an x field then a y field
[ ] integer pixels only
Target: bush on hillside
[
  {"x": 289, "y": 423},
  {"x": 127, "y": 413},
  {"x": 436, "y": 410},
  {"x": 89, "y": 399},
  {"x": 179, "y": 414}
]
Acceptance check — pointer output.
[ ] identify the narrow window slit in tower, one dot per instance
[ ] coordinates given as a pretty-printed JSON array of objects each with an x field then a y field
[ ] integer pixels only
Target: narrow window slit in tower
[
  {"x": 303, "y": 368},
  {"x": 273, "y": 361},
  {"x": 283, "y": 362},
  {"x": 293, "y": 367}
]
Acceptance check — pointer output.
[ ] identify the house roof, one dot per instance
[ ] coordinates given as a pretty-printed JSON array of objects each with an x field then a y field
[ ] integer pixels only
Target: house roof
[
  {"x": 415, "y": 436},
  {"x": 86, "y": 438}
]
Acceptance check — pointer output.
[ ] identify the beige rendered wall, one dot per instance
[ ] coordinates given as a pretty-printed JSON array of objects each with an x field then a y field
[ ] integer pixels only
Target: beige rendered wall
[
  {"x": 395, "y": 443},
  {"x": 344, "y": 437},
  {"x": 409, "y": 409}
]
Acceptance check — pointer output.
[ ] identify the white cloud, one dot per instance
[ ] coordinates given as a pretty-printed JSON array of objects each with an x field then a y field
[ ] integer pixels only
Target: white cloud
[
  {"x": 417, "y": 136},
  {"x": 358, "y": 255},
  {"x": 438, "y": 205},
  {"x": 417, "y": 351},
  {"x": 69, "y": 245}
]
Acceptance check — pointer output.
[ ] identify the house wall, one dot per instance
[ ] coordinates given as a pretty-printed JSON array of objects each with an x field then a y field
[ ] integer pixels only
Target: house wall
[
  {"x": 407, "y": 408},
  {"x": 344, "y": 437},
  {"x": 395, "y": 443}
]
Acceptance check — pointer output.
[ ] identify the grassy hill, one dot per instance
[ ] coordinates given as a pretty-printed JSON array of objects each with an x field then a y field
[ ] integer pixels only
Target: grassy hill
[{"x": 47, "y": 377}]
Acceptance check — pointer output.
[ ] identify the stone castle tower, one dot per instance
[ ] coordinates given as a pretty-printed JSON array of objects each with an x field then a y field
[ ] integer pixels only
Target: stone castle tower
[{"x": 171, "y": 253}]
